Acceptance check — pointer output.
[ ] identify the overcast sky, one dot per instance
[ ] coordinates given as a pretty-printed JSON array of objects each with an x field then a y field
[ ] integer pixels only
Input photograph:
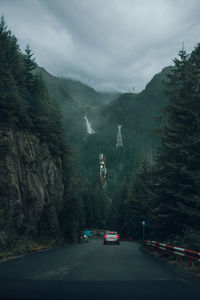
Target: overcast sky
[{"x": 108, "y": 44}]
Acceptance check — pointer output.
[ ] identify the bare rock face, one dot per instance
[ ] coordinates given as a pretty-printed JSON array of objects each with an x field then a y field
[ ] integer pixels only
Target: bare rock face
[{"x": 31, "y": 184}]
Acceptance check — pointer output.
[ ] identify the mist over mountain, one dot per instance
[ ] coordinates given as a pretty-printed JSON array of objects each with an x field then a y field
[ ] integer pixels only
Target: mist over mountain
[
  {"x": 75, "y": 100},
  {"x": 44, "y": 197},
  {"x": 77, "y": 162},
  {"x": 68, "y": 89},
  {"x": 135, "y": 112},
  {"x": 52, "y": 132}
]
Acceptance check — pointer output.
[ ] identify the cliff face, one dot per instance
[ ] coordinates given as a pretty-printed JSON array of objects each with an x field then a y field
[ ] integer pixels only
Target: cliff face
[{"x": 31, "y": 184}]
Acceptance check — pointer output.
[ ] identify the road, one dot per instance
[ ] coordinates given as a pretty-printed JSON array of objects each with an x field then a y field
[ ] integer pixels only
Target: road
[{"x": 92, "y": 271}]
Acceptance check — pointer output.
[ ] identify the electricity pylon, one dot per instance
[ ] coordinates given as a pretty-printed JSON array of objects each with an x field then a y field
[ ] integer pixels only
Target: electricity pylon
[{"x": 119, "y": 137}]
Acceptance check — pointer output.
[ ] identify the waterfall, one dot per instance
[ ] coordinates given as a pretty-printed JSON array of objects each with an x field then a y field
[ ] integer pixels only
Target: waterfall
[{"x": 89, "y": 127}]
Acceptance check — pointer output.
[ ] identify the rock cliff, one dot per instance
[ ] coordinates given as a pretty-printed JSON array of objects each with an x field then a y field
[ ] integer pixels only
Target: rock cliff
[{"x": 31, "y": 185}]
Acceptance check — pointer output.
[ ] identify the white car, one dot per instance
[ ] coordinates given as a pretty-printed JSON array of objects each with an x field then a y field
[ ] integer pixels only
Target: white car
[{"x": 111, "y": 237}]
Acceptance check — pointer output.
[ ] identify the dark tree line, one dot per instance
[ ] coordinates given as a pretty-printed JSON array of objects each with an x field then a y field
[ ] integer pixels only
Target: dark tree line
[
  {"x": 26, "y": 105},
  {"x": 167, "y": 194}
]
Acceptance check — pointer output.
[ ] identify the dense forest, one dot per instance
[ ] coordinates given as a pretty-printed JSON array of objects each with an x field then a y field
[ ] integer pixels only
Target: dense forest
[
  {"x": 35, "y": 158},
  {"x": 134, "y": 112},
  {"x": 153, "y": 177},
  {"x": 166, "y": 194}
]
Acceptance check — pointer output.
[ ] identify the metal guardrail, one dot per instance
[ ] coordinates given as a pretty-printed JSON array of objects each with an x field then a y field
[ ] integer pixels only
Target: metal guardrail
[{"x": 180, "y": 252}]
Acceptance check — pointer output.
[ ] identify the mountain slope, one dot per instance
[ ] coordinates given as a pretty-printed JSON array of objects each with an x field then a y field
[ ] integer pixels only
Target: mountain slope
[
  {"x": 76, "y": 91},
  {"x": 75, "y": 100},
  {"x": 135, "y": 112}
]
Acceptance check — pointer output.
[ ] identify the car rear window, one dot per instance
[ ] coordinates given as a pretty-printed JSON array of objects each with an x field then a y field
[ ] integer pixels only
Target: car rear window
[{"x": 112, "y": 232}]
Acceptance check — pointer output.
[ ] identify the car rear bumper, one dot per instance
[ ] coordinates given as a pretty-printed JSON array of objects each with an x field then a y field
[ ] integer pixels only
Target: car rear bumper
[{"x": 111, "y": 241}]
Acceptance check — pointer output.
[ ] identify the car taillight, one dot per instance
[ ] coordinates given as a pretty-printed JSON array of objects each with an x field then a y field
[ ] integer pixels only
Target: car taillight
[
  {"x": 105, "y": 236},
  {"x": 117, "y": 236}
]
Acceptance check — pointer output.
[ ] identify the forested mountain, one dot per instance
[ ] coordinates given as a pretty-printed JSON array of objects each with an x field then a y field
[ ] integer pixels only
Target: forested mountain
[
  {"x": 135, "y": 112},
  {"x": 43, "y": 195},
  {"x": 64, "y": 89},
  {"x": 49, "y": 163},
  {"x": 75, "y": 100},
  {"x": 166, "y": 194}
]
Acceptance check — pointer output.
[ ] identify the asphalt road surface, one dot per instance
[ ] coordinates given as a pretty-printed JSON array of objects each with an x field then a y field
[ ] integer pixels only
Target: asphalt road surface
[{"x": 92, "y": 271}]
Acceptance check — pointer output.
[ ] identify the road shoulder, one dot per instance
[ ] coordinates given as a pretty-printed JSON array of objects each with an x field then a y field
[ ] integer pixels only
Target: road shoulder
[{"x": 181, "y": 268}]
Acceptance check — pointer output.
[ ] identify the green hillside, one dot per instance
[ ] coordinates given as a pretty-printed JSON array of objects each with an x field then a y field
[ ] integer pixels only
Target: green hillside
[
  {"x": 135, "y": 112},
  {"x": 75, "y": 100},
  {"x": 49, "y": 193},
  {"x": 44, "y": 197}
]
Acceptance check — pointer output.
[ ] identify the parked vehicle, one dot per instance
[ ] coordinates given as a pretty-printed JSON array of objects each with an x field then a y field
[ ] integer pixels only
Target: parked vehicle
[
  {"x": 84, "y": 238},
  {"x": 111, "y": 237},
  {"x": 88, "y": 233}
]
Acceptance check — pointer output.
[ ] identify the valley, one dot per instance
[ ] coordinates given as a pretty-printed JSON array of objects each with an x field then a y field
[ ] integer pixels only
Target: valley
[
  {"x": 135, "y": 112},
  {"x": 53, "y": 131}
]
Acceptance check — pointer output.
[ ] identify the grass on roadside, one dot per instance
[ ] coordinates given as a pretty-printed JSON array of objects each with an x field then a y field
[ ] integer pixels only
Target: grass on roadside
[
  {"x": 26, "y": 245},
  {"x": 172, "y": 260}
]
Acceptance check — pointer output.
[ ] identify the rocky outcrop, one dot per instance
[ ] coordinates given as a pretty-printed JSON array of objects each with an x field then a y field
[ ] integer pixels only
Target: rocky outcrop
[{"x": 31, "y": 184}]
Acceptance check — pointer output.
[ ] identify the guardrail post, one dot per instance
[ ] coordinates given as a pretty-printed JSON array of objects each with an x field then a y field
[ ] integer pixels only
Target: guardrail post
[
  {"x": 179, "y": 252},
  {"x": 190, "y": 262}
]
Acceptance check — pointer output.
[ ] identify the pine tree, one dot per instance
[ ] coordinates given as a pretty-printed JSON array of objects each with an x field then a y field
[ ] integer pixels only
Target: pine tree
[
  {"x": 30, "y": 66},
  {"x": 12, "y": 110},
  {"x": 177, "y": 171},
  {"x": 99, "y": 204},
  {"x": 72, "y": 215},
  {"x": 119, "y": 208}
]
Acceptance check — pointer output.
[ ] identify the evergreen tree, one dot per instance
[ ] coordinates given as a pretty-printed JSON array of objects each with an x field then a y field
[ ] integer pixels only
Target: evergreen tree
[
  {"x": 140, "y": 204},
  {"x": 72, "y": 217},
  {"x": 177, "y": 171},
  {"x": 100, "y": 205},
  {"x": 88, "y": 200},
  {"x": 133, "y": 202},
  {"x": 25, "y": 101},
  {"x": 119, "y": 208},
  {"x": 30, "y": 66},
  {"x": 11, "y": 105}
]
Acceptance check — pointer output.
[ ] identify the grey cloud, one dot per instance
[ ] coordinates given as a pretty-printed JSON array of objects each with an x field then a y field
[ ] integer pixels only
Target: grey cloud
[{"x": 111, "y": 44}]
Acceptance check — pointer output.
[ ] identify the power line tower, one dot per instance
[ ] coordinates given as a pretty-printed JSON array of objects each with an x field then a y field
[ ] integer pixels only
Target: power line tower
[
  {"x": 103, "y": 170},
  {"x": 119, "y": 142}
]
